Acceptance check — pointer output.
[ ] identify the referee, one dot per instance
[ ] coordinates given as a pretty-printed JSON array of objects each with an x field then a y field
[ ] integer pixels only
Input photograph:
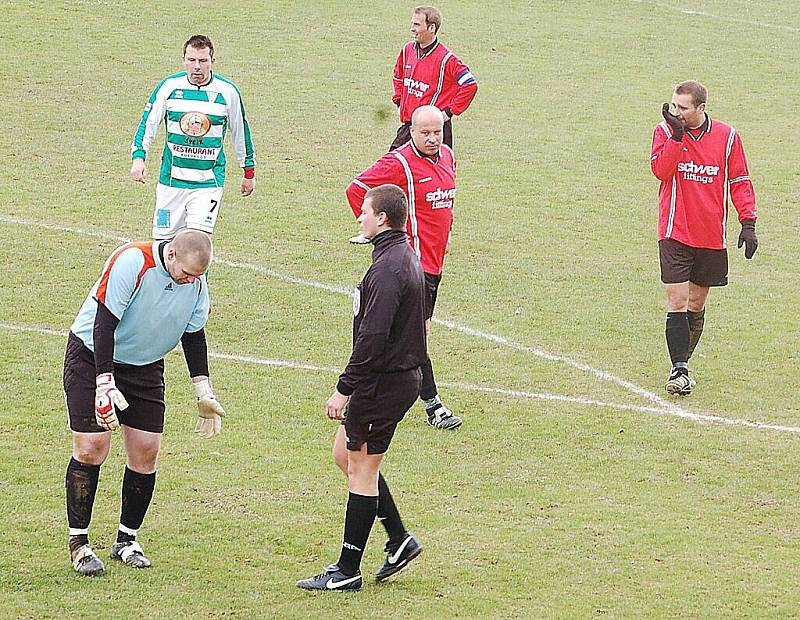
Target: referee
[
  {"x": 150, "y": 295},
  {"x": 378, "y": 386}
]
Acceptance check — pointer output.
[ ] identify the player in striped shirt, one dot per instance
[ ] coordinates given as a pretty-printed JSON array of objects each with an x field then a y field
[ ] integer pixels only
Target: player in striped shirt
[
  {"x": 198, "y": 107},
  {"x": 701, "y": 164},
  {"x": 427, "y": 73}
]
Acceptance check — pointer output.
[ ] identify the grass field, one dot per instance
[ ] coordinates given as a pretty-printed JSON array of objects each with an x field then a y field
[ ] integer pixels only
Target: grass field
[{"x": 575, "y": 488}]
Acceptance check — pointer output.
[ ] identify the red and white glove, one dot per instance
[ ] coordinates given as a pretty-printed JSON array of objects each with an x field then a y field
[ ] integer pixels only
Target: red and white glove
[
  {"x": 210, "y": 412},
  {"x": 106, "y": 395}
]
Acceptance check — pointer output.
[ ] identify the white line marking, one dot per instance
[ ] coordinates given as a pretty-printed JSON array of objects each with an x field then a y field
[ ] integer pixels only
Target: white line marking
[
  {"x": 78, "y": 231},
  {"x": 694, "y": 417},
  {"x": 285, "y": 277},
  {"x": 746, "y": 22},
  {"x": 249, "y": 359},
  {"x": 600, "y": 374}
]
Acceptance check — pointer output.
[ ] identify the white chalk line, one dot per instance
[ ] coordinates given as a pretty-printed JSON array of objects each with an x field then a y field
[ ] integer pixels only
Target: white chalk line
[
  {"x": 746, "y": 22},
  {"x": 471, "y": 387},
  {"x": 600, "y": 374}
]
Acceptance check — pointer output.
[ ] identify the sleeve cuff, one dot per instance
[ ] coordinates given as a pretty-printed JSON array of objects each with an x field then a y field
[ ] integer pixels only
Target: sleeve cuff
[
  {"x": 249, "y": 173},
  {"x": 139, "y": 154},
  {"x": 343, "y": 389}
]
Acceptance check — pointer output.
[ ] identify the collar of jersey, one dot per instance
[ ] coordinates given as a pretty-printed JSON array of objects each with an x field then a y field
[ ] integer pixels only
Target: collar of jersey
[
  {"x": 206, "y": 85},
  {"x": 424, "y": 51},
  {"x": 387, "y": 238},
  {"x": 703, "y": 129},
  {"x": 418, "y": 153},
  {"x": 158, "y": 252}
]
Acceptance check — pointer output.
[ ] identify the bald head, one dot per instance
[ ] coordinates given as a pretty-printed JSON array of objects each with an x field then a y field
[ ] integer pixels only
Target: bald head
[
  {"x": 426, "y": 129},
  {"x": 426, "y": 114},
  {"x": 188, "y": 254}
]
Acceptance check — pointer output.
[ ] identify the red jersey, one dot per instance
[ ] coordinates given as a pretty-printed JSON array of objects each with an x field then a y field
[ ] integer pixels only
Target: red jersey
[
  {"x": 429, "y": 184},
  {"x": 697, "y": 176},
  {"x": 437, "y": 78}
]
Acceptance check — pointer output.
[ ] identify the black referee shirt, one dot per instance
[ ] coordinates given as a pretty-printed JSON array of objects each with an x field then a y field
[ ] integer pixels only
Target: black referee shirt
[{"x": 389, "y": 309}]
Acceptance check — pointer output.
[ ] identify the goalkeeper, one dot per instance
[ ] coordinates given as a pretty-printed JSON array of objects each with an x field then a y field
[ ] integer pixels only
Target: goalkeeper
[{"x": 149, "y": 296}]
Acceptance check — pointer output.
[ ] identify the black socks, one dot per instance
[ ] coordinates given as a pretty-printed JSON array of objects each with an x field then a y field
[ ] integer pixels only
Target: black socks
[
  {"x": 428, "y": 389},
  {"x": 696, "y": 322},
  {"x": 81, "y": 484},
  {"x": 137, "y": 491},
  {"x": 361, "y": 512},
  {"x": 677, "y": 333},
  {"x": 388, "y": 513}
]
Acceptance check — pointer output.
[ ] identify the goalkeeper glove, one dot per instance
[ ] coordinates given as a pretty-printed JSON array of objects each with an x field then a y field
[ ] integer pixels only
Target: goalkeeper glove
[
  {"x": 210, "y": 412},
  {"x": 748, "y": 239},
  {"x": 674, "y": 123},
  {"x": 106, "y": 395}
]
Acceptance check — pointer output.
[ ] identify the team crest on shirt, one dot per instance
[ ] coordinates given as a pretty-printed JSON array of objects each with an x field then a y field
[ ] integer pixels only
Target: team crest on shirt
[
  {"x": 356, "y": 300},
  {"x": 195, "y": 124}
]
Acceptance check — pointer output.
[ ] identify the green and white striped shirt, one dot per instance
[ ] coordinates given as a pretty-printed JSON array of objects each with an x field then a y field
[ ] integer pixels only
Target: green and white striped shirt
[{"x": 196, "y": 119}]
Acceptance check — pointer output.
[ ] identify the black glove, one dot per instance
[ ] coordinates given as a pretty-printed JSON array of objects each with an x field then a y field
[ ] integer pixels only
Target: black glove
[
  {"x": 674, "y": 123},
  {"x": 747, "y": 238}
]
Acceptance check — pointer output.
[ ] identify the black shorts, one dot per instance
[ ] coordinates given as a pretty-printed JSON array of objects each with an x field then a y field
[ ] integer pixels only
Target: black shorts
[
  {"x": 404, "y": 135},
  {"x": 701, "y": 266},
  {"x": 375, "y": 410},
  {"x": 431, "y": 292},
  {"x": 142, "y": 387}
]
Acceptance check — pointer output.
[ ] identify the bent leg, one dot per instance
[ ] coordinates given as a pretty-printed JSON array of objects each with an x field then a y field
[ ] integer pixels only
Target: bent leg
[
  {"x": 696, "y": 314},
  {"x": 139, "y": 480},
  {"x": 677, "y": 325},
  {"x": 89, "y": 452},
  {"x": 340, "y": 449}
]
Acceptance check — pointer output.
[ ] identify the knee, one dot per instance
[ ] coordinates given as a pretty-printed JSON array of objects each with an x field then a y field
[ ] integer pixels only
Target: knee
[
  {"x": 677, "y": 303},
  {"x": 144, "y": 460},
  {"x": 341, "y": 461},
  {"x": 90, "y": 454}
]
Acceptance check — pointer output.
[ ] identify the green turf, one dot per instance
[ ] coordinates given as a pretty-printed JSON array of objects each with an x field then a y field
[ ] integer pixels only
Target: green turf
[{"x": 534, "y": 508}]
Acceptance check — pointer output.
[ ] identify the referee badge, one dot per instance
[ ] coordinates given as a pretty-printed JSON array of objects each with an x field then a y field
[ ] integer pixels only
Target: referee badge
[
  {"x": 356, "y": 300},
  {"x": 195, "y": 124}
]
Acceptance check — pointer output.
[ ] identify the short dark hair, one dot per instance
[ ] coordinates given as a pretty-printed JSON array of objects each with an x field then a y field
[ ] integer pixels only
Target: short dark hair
[
  {"x": 391, "y": 200},
  {"x": 695, "y": 89},
  {"x": 198, "y": 42},
  {"x": 432, "y": 16}
]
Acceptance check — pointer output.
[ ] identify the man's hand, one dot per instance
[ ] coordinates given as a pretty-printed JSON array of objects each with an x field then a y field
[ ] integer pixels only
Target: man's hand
[
  {"x": 106, "y": 395},
  {"x": 674, "y": 123},
  {"x": 139, "y": 171},
  {"x": 210, "y": 412},
  {"x": 248, "y": 185},
  {"x": 748, "y": 239},
  {"x": 335, "y": 405}
]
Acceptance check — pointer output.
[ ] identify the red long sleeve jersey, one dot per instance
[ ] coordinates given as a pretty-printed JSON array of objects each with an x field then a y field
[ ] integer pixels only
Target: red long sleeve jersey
[
  {"x": 438, "y": 78},
  {"x": 429, "y": 184},
  {"x": 697, "y": 176}
]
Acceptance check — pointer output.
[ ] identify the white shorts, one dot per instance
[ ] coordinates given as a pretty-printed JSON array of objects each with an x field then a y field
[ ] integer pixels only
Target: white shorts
[{"x": 178, "y": 208}]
